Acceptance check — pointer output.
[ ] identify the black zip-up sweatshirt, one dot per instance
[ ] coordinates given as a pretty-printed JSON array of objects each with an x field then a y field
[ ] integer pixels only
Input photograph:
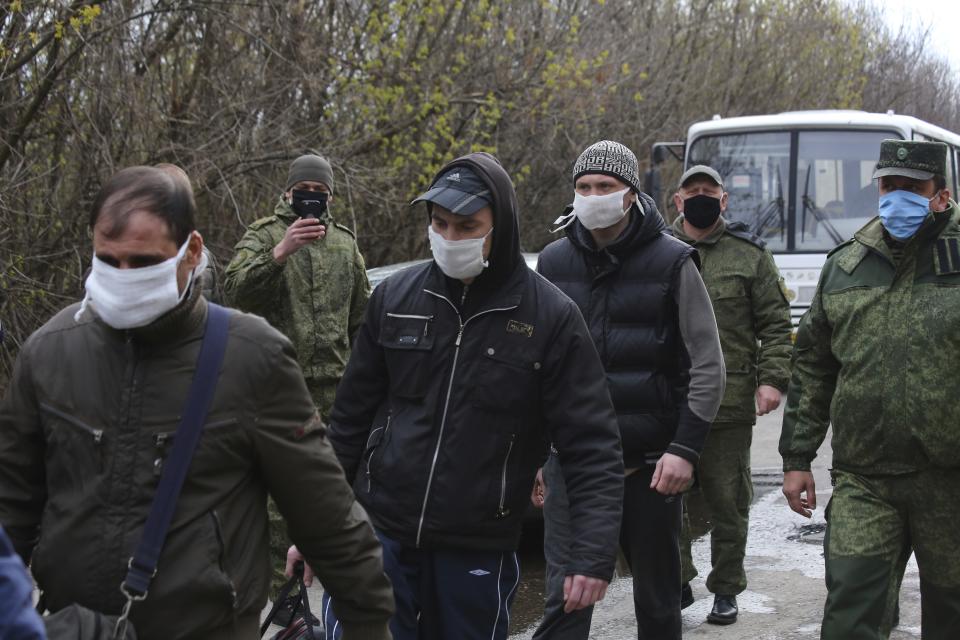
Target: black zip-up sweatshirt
[{"x": 442, "y": 416}]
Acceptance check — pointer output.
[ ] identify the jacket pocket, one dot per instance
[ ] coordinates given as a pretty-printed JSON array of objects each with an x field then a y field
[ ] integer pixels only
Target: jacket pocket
[
  {"x": 509, "y": 383},
  {"x": 373, "y": 453},
  {"x": 407, "y": 342},
  {"x": 222, "y": 558},
  {"x": 219, "y": 448},
  {"x": 502, "y": 507},
  {"x": 73, "y": 439}
]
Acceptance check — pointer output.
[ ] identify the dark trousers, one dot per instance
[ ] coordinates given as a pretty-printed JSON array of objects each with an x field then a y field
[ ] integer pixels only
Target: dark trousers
[
  {"x": 444, "y": 594},
  {"x": 649, "y": 538}
]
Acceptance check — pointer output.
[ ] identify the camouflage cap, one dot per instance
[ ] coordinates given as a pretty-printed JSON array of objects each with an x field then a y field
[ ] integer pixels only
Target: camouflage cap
[{"x": 911, "y": 158}]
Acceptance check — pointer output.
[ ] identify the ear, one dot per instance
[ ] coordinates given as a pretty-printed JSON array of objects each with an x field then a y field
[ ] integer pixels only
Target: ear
[
  {"x": 678, "y": 202},
  {"x": 723, "y": 202},
  {"x": 190, "y": 259}
]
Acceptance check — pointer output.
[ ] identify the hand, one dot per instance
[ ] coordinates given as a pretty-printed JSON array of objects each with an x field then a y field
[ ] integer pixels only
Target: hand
[
  {"x": 672, "y": 475},
  {"x": 302, "y": 232},
  {"x": 580, "y": 592},
  {"x": 796, "y": 483},
  {"x": 768, "y": 399},
  {"x": 539, "y": 490},
  {"x": 293, "y": 557}
]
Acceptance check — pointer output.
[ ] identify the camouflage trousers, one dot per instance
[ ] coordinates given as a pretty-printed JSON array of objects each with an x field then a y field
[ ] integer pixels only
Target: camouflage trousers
[
  {"x": 721, "y": 507},
  {"x": 279, "y": 540},
  {"x": 873, "y": 524}
]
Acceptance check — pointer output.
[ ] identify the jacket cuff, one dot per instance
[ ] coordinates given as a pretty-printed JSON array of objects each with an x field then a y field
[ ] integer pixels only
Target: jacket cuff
[
  {"x": 365, "y": 630},
  {"x": 688, "y": 454},
  {"x": 592, "y": 567},
  {"x": 777, "y": 383},
  {"x": 795, "y": 463}
]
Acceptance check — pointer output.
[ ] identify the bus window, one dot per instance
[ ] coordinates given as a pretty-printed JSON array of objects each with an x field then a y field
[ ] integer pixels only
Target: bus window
[
  {"x": 755, "y": 169},
  {"x": 836, "y": 193}
]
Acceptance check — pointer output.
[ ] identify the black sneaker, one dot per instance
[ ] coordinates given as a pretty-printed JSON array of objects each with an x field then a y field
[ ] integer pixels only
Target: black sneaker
[
  {"x": 724, "y": 610},
  {"x": 686, "y": 595}
]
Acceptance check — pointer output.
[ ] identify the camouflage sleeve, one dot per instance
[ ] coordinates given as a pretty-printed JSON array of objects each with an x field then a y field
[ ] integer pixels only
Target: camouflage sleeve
[
  {"x": 814, "y": 377},
  {"x": 253, "y": 278},
  {"x": 361, "y": 293},
  {"x": 22, "y": 479},
  {"x": 771, "y": 320}
]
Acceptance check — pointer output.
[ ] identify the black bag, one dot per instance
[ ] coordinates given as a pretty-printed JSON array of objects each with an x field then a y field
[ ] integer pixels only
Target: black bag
[
  {"x": 301, "y": 624},
  {"x": 79, "y": 623},
  {"x": 76, "y": 622}
]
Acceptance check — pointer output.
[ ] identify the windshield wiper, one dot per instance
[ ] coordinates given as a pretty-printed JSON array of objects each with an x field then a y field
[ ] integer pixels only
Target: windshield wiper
[
  {"x": 818, "y": 214},
  {"x": 767, "y": 214}
]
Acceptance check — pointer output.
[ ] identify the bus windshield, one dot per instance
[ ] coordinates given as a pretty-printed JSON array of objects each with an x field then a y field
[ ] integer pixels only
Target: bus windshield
[{"x": 834, "y": 192}]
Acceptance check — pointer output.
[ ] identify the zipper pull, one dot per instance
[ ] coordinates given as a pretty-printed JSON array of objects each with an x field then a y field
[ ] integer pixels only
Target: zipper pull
[{"x": 459, "y": 336}]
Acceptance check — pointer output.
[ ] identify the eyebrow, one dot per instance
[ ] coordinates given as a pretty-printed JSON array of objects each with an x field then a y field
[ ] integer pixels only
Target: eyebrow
[{"x": 136, "y": 260}]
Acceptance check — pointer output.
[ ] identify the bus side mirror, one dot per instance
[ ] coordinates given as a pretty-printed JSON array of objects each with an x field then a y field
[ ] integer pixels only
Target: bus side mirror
[
  {"x": 651, "y": 184},
  {"x": 657, "y": 155}
]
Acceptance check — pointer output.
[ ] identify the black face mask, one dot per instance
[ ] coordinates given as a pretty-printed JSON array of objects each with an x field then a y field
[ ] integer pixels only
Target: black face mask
[
  {"x": 309, "y": 204},
  {"x": 701, "y": 211}
]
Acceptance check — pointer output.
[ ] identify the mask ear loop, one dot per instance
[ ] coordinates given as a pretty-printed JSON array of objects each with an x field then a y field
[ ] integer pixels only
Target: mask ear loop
[{"x": 564, "y": 221}]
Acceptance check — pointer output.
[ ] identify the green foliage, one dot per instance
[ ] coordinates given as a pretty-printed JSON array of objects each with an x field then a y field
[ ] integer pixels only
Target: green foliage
[{"x": 390, "y": 90}]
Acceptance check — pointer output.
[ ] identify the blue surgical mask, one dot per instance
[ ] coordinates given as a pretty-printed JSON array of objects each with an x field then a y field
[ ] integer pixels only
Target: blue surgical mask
[{"x": 902, "y": 212}]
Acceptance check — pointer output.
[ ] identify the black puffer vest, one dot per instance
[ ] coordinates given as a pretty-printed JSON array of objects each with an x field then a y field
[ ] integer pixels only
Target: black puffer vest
[{"x": 626, "y": 295}]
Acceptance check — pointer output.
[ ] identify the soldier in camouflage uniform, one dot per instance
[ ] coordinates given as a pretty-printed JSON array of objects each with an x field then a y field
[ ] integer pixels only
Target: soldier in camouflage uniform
[
  {"x": 303, "y": 272},
  {"x": 877, "y": 356},
  {"x": 753, "y": 318}
]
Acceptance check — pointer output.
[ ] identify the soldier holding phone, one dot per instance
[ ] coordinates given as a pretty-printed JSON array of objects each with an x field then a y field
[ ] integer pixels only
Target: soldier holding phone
[{"x": 303, "y": 272}]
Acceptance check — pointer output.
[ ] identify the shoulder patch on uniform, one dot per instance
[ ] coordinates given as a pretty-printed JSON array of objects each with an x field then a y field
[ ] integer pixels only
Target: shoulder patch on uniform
[
  {"x": 849, "y": 259},
  {"x": 840, "y": 246},
  {"x": 740, "y": 230},
  {"x": 947, "y": 255},
  {"x": 262, "y": 222},
  {"x": 347, "y": 229}
]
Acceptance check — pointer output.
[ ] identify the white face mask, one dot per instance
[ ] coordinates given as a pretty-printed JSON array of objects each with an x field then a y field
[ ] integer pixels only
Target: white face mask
[
  {"x": 131, "y": 298},
  {"x": 595, "y": 212},
  {"x": 458, "y": 259}
]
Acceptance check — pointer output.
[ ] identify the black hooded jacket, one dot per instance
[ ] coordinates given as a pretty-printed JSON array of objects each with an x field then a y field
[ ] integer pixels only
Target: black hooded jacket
[
  {"x": 626, "y": 294},
  {"x": 442, "y": 416}
]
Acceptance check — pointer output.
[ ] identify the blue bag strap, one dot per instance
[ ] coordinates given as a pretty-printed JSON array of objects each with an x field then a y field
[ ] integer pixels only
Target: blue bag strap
[{"x": 142, "y": 567}]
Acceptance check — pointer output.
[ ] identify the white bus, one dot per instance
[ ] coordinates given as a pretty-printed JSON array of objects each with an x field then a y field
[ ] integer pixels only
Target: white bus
[{"x": 801, "y": 180}]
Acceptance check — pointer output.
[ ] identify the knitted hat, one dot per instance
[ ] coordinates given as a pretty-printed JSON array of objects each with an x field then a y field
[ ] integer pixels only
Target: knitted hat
[
  {"x": 612, "y": 159},
  {"x": 310, "y": 168}
]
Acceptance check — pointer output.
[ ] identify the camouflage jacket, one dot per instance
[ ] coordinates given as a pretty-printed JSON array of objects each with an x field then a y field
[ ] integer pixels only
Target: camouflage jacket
[
  {"x": 753, "y": 315},
  {"x": 877, "y": 355},
  {"x": 316, "y": 298}
]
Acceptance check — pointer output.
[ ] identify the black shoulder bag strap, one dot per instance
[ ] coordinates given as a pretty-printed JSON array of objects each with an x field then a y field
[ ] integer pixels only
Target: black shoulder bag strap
[{"x": 142, "y": 567}]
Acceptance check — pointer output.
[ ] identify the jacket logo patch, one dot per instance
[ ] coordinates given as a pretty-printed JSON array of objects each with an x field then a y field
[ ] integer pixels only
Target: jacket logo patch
[
  {"x": 524, "y": 329},
  {"x": 479, "y": 572},
  {"x": 408, "y": 339}
]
